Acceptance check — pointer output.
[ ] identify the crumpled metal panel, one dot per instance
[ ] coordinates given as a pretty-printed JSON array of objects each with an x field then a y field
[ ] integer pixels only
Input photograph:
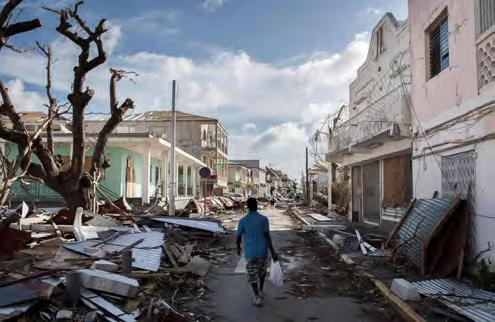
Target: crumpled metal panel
[
  {"x": 211, "y": 226},
  {"x": 146, "y": 255},
  {"x": 418, "y": 226},
  {"x": 476, "y": 304}
]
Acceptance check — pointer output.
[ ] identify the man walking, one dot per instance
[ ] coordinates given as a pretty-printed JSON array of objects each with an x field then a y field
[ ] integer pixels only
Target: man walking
[{"x": 254, "y": 232}]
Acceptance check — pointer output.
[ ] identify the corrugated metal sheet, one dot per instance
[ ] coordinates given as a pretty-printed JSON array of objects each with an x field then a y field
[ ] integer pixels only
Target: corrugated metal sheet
[
  {"x": 211, "y": 226},
  {"x": 418, "y": 225},
  {"x": 146, "y": 255},
  {"x": 476, "y": 304},
  {"x": 147, "y": 259}
]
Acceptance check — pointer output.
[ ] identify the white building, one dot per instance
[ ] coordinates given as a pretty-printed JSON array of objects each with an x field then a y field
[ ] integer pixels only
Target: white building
[{"x": 372, "y": 135}]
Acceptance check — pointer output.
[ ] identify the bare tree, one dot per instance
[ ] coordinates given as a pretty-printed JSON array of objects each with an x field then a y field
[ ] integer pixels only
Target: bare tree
[
  {"x": 73, "y": 183},
  {"x": 12, "y": 170}
]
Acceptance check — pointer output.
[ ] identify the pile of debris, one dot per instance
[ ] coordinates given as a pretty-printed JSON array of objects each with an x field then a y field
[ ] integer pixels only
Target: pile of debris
[{"x": 57, "y": 265}]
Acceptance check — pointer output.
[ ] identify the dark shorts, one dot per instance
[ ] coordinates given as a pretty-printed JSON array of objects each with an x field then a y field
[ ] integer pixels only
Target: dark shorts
[{"x": 256, "y": 268}]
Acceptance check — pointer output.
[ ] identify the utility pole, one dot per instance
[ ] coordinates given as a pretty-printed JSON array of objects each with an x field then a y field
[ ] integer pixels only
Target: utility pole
[
  {"x": 171, "y": 203},
  {"x": 307, "y": 177}
]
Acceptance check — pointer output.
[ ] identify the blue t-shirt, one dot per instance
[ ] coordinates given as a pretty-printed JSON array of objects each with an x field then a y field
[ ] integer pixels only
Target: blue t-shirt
[{"x": 253, "y": 227}]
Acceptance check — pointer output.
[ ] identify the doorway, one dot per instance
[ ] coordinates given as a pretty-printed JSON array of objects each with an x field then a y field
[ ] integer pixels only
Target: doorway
[
  {"x": 371, "y": 193},
  {"x": 130, "y": 178},
  {"x": 357, "y": 193}
]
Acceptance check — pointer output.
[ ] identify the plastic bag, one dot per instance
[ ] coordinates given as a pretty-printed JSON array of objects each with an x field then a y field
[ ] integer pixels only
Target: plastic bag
[
  {"x": 276, "y": 276},
  {"x": 241, "y": 266}
]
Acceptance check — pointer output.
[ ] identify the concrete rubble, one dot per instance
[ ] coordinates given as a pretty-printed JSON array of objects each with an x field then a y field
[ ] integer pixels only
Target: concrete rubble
[
  {"x": 405, "y": 290},
  {"x": 124, "y": 265}
]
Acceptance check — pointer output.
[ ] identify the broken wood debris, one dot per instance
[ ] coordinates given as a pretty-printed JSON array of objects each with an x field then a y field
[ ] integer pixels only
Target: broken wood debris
[{"x": 87, "y": 251}]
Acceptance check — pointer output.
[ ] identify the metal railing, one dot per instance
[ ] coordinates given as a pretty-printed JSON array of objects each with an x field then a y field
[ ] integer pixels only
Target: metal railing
[{"x": 374, "y": 119}]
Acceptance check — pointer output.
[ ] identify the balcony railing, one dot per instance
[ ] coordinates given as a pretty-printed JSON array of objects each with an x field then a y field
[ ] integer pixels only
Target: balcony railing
[{"x": 376, "y": 118}]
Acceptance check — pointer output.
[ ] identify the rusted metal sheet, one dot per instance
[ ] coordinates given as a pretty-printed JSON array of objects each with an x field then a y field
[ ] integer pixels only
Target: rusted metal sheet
[
  {"x": 27, "y": 290},
  {"x": 475, "y": 304},
  {"x": 432, "y": 235}
]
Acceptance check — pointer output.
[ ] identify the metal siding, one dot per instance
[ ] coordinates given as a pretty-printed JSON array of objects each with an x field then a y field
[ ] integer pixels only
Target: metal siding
[
  {"x": 418, "y": 225},
  {"x": 476, "y": 304}
]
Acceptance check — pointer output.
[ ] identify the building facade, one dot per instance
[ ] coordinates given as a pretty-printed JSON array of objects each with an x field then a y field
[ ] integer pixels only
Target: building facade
[
  {"x": 453, "y": 95},
  {"x": 238, "y": 178},
  {"x": 256, "y": 177},
  {"x": 371, "y": 136},
  {"x": 140, "y": 168},
  {"x": 203, "y": 137}
]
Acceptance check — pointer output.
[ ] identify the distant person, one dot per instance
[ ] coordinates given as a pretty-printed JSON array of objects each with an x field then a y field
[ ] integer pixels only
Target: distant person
[
  {"x": 253, "y": 233},
  {"x": 272, "y": 201}
]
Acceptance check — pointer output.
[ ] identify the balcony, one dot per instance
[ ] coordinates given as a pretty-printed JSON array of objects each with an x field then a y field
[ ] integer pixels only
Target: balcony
[{"x": 386, "y": 119}]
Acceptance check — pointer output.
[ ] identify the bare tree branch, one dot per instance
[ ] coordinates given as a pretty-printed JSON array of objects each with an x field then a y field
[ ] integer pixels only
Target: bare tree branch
[
  {"x": 79, "y": 97},
  {"x": 117, "y": 115},
  {"x": 7, "y": 30},
  {"x": 52, "y": 101}
]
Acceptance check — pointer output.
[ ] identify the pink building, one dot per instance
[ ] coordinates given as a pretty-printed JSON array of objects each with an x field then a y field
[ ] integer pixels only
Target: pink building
[{"x": 453, "y": 100}]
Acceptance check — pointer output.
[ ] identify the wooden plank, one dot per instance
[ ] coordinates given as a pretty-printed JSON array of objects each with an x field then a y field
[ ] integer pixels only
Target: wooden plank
[{"x": 170, "y": 256}]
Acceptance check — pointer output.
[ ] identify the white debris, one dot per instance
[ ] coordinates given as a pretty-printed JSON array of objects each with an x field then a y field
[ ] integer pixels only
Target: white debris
[
  {"x": 109, "y": 282},
  {"x": 339, "y": 240},
  {"x": 405, "y": 290},
  {"x": 104, "y": 265}
]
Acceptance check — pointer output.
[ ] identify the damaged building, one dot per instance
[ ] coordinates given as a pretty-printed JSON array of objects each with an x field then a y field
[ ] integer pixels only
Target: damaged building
[
  {"x": 138, "y": 152},
  {"x": 371, "y": 136},
  {"x": 453, "y": 61}
]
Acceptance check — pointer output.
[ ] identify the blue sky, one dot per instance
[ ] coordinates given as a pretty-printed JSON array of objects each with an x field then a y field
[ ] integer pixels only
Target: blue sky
[{"x": 268, "y": 69}]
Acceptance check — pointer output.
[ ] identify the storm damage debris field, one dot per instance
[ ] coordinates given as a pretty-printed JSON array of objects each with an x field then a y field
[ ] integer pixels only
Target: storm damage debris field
[{"x": 313, "y": 269}]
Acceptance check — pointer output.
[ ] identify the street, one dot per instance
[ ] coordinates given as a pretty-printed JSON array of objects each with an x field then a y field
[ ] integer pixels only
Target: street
[{"x": 317, "y": 286}]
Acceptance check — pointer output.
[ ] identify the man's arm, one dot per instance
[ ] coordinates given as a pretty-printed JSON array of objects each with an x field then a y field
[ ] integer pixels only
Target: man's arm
[
  {"x": 238, "y": 242},
  {"x": 240, "y": 231},
  {"x": 270, "y": 246}
]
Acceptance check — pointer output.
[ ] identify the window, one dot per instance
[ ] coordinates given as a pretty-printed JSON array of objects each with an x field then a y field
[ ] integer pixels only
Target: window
[
  {"x": 439, "y": 45},
  {"x": 189, "y": 181},
  {"x": 157, "y": 175},
  {"x": 380, "y": 48},
  {"x": 181, "y": 191},
  {"x": 486, "y": 15}
]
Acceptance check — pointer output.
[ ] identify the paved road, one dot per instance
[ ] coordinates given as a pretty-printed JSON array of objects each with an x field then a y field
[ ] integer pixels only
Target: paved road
[{"x": 317, "y": 287}]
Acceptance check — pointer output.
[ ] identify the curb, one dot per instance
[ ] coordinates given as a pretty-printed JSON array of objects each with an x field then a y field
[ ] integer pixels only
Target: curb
[{"x": 406, "y": 311}]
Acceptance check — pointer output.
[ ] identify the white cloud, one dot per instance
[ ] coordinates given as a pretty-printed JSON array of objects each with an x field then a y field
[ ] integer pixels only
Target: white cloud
[
  {"x": 374, "y": 11},
  {"x": 24, "y": 100},
  {"x": 212, "y": 5},
  {"x": 288, "y": 100},
  {"x": 283, "y": 145},
  {"x": 249, "y": 126}
]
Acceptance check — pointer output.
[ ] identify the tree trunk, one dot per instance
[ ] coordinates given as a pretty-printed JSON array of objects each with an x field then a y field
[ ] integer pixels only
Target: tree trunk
[
  {"x": 77, "y": 198},
  {"x": 4, "y": 195},
  {"x": 76, "y": 192}
]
